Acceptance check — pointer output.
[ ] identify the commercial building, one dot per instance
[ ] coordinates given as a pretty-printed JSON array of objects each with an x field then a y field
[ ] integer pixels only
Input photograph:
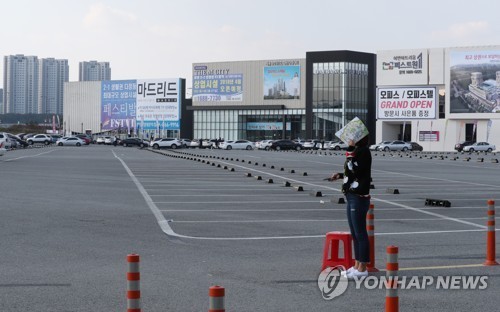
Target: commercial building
[
  {"x": 94, "y": 71},
  {"x": 307, "y": 98},
  {"x": 136, "y": 107},
  {"x": 438, "y": 97}
]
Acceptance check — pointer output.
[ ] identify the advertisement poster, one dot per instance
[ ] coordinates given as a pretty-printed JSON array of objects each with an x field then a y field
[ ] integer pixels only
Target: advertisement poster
[
  {"x": 281, "y": 82},
  {"x": 267, "y": 126},
  {"x": 118, "y": 105},
  {"x": 406, "y": 103},
  {"x": 474, "y": 81},
  {"x": 158, "y": 102},
  {"x": 216, "y": 85}
]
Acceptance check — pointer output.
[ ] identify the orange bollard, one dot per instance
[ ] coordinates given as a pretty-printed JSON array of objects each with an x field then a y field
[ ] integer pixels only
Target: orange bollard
[
  {"x": 370, "y": 228},
  {"x": 133, "y": 284},
  {"x": 490, "y": 238},
  {"x": 216, "y": 299},
  {"x": 391, "y": 291}
]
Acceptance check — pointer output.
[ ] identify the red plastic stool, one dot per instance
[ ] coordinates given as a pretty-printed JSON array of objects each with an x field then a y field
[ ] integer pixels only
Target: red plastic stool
[{"x": 331, "y": 251}]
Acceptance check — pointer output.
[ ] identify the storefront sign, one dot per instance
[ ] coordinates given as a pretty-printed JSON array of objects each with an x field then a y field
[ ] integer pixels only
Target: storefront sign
[
  {"x": 406, "y": 103},
  {"x": 403, "y": 67}
]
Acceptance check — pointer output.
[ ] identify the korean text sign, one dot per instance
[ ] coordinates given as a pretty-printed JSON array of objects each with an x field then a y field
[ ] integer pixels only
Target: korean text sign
[
  {"x": 118, "y": 107},
  {"x": 158, "y": 101},
  {"x": 406, "y": 103}
]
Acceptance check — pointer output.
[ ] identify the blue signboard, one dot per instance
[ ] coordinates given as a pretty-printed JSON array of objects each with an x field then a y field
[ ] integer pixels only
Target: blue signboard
[
  {"x": 217, "y": 87},
  {"x": 118, "y": 104}
]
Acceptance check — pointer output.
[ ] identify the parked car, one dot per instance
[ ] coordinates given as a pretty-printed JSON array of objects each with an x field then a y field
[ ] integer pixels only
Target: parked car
[
  {"x": 416, "y": 147},
  {"x": 134, "y": 142},
  {"x": 55, "y": 137},
  {"x": 100, "y": 140},
  {"x": 338, "y": 145},
  {"x": 87, "y": 139},
  {"x": 395, "y": 146},
  {"x": 311, "y": 144},
  {"x": 167, "y": 142},
  {"x": 285, "y": 145},
  {"x": 264, "y": 144},
  {"x": 5, "y": 139},
  {"x": 110, "y": 140},
  {"x": 374, "y": 147},
  {"x": 460, "y": 145},
  {"x": 185, "y": 142},
  {"x": 70, "y": 141},
  {"x": 238, "y": 144},
  {"x": 39, "y": 138},
  {"x": 480, "y": 146},
  {"x": 17, "y": 140},
  {"x": 2, "y": 149}
]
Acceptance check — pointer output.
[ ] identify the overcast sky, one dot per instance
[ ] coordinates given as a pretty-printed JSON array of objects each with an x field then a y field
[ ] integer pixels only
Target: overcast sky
[{"x": 162, "y": 38}]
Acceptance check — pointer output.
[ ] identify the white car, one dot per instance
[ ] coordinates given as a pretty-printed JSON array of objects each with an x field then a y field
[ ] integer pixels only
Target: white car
[
  {"x": 311, "y": 144},
  {"x": 100, "y": 140},
  {"x": 264, "y": 144},
  {"x": 70, "y": 141},
  {"x": 338, "y": 145},
  {"x": 238, "y": 144},
  {"x": 480, "y": 146},
  {"x": 374, "y": 147},
  {"x": 40, "y": 138},
  {"x": 2, "y": 149},
  {"x": 5, "y": 140},
  {"x": 167, "y": 142},
  {"x": 395, "y": 146},
  {"x": 109, "y": 140}
]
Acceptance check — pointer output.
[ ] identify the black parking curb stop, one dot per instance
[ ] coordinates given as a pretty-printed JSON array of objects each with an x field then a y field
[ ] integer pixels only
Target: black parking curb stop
[
  {"x": 316, "y": 194},
  {"x": 299, "y": 188},
  {"x": 392, "y": 191},
  {"x": 287, "y": 184},
  {"x": 270, "y": 181}
]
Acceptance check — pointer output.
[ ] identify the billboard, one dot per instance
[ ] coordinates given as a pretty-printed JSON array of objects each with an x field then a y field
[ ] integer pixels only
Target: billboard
[
  {"x": 118, "y": 109},
  {"x": 219, "y": 85},
  {"x": 406, "y": 103},
  {"x": 402, "y": 67},
  {"x": 474, "y": 81},
  {"x": 158, "y": 104},
  {"x": 281, "y": 82}
]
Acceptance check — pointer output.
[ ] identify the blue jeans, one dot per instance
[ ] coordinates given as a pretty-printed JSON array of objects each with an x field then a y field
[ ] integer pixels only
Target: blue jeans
[{"x": 357, "y": 208}]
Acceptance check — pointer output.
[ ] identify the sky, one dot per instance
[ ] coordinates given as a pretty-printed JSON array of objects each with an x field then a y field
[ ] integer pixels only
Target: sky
[{"x": 149, "y": 39}]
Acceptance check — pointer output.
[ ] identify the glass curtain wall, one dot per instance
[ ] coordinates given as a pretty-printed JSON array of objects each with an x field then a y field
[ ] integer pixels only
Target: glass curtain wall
[
  {"x": 251, "y": 125},
  {"x": 340, "y": 93}
]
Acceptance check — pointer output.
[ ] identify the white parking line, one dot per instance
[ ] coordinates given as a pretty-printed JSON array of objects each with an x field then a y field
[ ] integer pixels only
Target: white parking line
[
  {"x": 29, "y": 156},
  {"x": 316, "y": 220}
]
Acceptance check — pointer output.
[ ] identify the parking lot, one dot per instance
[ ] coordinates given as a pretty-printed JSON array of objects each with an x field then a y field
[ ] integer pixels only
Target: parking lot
[{"x": 205, "y": 217}]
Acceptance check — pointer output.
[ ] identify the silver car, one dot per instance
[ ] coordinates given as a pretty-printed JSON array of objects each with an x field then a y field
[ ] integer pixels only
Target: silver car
[
  {"x": 395, "y": 146},
  {"x": 479, "y": 146}
]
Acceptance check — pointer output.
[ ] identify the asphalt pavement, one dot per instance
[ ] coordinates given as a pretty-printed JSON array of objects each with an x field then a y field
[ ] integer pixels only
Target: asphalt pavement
[{"x": 198, "y": 218}]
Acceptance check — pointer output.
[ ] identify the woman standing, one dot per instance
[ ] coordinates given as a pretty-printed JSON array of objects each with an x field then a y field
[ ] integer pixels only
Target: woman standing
[{"x": 356, "y": 187}]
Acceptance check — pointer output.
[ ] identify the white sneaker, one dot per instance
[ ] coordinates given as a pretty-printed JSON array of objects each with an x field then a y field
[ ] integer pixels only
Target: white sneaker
[
  {"x": 349, "y": 270},
  {"x": 357, "y": 274}
]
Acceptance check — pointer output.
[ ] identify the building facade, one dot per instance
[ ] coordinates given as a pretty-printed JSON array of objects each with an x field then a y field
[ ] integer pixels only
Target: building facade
[
  {"x": 438, "y": 97},
  {"x": 94, "y": 71},
  {"x": 20, "y": 84},
  {"x": 309, "y": 98},
  {"x": 53, "y": 74},
  {"x": 136, "y": 107}
]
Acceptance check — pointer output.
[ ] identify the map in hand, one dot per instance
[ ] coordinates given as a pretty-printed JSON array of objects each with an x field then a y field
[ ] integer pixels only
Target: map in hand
[{"x": 354, "y": 130}]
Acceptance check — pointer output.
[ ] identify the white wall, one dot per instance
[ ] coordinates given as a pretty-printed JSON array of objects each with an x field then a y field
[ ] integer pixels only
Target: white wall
[{"x": 82, "y": 105}]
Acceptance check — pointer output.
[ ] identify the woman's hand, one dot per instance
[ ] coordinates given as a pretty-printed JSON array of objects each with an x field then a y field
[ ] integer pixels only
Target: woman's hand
[{"x": 334, "y": 177}]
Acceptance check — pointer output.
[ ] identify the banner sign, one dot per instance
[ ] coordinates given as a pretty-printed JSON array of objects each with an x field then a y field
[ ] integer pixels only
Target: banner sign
[
  {"x": 474, "y": 81},
  {"x": 402, "y": 67},
  {"x": 219, "y": 85},
  {"x": 269, "y": 126},
  {"x": 281, "y": 82},
  {"x": 406, "y": 103},
  {"x": 118, "y": 107},
  {"x": 158, "y": 100},
  {"x": 432, "y": 136}
]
